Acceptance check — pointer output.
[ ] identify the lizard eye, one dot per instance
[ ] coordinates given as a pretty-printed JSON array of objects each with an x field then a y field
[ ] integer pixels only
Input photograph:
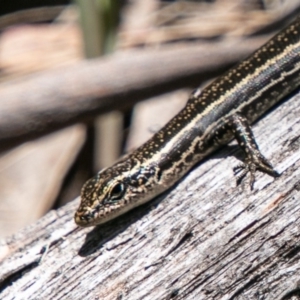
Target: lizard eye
[{"x": 117, "y": 191}]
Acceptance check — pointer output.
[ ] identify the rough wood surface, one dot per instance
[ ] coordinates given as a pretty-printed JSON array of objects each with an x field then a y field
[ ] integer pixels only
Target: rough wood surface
[
  {"x": 204, "y": 239},
  {"x": 47, "y": 101}
]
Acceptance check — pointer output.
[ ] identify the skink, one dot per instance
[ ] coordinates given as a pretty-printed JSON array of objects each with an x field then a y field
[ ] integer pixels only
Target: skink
[{"x": 222, "y": 111}]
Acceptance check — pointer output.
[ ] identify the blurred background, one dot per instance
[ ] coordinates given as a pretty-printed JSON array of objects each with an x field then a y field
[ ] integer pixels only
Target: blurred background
[{"x": 83, "y": 82}]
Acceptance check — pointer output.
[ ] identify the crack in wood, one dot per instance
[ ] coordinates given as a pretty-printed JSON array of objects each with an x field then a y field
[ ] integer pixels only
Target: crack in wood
[
  {"x": 15, "y": 275},
  {"x": 293, "y": 291}
]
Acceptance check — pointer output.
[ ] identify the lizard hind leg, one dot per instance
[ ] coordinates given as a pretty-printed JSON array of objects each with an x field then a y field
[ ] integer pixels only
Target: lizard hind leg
[{"x": 254, "y": 160}]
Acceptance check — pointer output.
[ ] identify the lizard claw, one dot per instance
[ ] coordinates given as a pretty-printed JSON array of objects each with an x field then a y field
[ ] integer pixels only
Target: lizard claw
[{"x": 253, "y": 162}]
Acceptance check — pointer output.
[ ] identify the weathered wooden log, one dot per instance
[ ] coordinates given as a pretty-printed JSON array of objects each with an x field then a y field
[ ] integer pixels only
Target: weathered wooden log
[{"x": 204, "y": 239}]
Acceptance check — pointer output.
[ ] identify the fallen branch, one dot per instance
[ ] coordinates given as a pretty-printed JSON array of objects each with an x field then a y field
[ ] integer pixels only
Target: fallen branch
[{"x": 47, "y": 101}]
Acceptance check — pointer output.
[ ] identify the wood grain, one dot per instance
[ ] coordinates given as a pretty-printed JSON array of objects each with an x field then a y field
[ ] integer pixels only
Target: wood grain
[{"x": 204, "y": 239}]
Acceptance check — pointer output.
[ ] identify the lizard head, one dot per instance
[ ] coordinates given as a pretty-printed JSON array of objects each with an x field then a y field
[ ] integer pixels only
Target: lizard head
[{"x": 114, "y": 191}]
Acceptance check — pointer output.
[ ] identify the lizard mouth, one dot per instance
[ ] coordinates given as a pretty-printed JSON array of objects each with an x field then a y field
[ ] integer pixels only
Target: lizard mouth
[
  {"x": 83, "y": 219},
  {"x": 86, "y": 217},
  {"x": 100, "y": 214}
]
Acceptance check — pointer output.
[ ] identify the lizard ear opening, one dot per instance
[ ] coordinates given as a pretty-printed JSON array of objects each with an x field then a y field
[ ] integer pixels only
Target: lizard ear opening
[{"x": 159, "y": 174}]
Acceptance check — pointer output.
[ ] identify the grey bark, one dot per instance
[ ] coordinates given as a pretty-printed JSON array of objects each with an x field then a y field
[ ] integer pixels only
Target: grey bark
[
  {"x": 203, "y": 239},
  {"x": 50, "y": 100}
]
